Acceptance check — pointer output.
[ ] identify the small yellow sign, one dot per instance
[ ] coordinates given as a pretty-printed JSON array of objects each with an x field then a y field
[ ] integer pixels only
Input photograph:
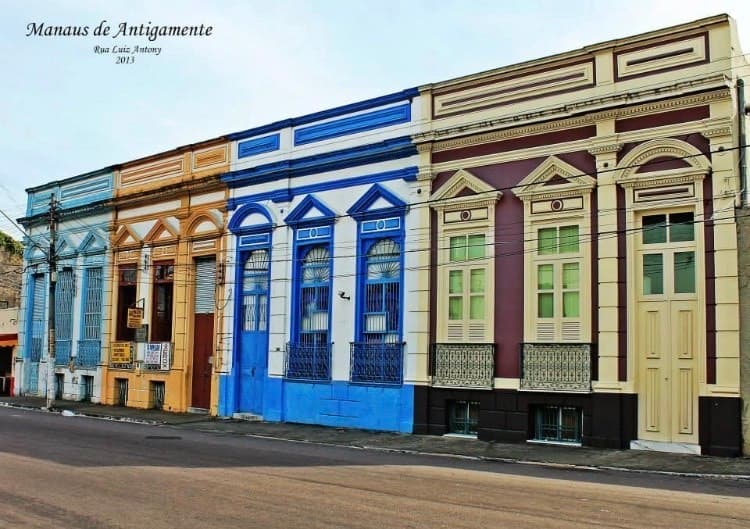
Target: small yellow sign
[
  {"x": 121, "y": 353},
  {"x": 135, "y": 317}
]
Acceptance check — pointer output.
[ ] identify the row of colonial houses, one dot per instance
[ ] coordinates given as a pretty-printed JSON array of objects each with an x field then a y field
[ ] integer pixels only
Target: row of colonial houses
[{"x": 543, "y": 252}]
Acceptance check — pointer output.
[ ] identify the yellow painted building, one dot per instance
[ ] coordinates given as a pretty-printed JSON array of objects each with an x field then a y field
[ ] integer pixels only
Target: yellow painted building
[{"x": 167, "y": 267}]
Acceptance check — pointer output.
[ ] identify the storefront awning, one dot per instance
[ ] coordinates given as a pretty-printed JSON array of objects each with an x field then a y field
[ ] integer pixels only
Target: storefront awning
[{"x": 8, "y": 340}]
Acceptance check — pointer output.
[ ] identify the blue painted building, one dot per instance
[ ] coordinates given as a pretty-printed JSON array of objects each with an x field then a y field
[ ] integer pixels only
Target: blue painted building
[
  {"x": 322, "y": 291},
  {"x": 84, "y": 218}
]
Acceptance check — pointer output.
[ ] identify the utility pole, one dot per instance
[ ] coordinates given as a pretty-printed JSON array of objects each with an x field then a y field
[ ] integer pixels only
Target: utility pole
[{"x": 52, "y": 269}]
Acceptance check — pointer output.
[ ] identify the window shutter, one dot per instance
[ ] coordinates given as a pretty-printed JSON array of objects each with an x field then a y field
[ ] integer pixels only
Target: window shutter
[
  {"x": 205, "y": 285},
  {"x": 571, "y": 331}
]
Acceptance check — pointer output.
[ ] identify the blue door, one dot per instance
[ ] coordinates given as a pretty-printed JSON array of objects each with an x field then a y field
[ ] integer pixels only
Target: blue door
[{"x": 253, "y": 330}]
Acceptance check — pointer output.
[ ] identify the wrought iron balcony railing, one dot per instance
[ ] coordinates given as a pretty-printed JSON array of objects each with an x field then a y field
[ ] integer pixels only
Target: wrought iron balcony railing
[
  {"x": 308, "y": 362},
  {"x": 557, "y": 366},
  {"x": 377, "y": 363},
  {"x": 464, "y": 365},
  {"x": 62, "y": 352},
  {"x": 89, "y": 353}
]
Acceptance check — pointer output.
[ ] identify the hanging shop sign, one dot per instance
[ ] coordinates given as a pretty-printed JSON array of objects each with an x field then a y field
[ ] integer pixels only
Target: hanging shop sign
[{"x": 135, "y": 317}]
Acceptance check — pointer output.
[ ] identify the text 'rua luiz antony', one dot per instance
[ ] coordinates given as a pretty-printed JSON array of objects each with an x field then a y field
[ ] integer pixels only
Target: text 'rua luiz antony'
[{"x": 123, "y": 29}]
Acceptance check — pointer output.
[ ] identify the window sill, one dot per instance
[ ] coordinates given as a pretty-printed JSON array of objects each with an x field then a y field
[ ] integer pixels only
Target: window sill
[
  {"x": 554, "y": 443},
  {"x": 461, "y": 435}
]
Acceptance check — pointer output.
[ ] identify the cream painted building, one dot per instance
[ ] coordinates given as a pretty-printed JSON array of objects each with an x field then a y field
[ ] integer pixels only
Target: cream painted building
[{"x": 585, "y": 247}]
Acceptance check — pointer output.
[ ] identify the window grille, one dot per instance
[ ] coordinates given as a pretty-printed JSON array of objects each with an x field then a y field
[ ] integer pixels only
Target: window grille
[
  {"x": 255, "y": 291},
  {"x": 38, "y": 324},
  {"x": 89, "y": 347},
  {"x": 560, "y": 424},
  {"x": 463, "y": 417},
  {"x": 315, "y": 297},
  {"x": 121, "y": 391},
  {"x": 158, "y": 390}
]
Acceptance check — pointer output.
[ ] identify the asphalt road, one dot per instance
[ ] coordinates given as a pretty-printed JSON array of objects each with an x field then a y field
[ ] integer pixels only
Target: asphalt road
[{"x": 74, "y": 472}]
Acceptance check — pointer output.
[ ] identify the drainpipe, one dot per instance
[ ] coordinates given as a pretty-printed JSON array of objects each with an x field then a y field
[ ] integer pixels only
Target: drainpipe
[{"x": 742, "y": 140}]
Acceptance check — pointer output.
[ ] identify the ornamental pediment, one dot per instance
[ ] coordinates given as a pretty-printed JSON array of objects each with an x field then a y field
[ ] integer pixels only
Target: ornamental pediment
[
  {"x": 462, "y": 189},
  {"x": 554, "y": 178}
]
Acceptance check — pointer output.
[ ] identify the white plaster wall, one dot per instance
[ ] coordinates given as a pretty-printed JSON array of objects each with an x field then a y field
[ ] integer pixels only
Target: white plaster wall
[{"x": 287, "y": 150}]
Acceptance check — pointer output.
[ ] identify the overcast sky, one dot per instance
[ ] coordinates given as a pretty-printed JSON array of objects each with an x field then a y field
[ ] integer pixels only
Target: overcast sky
[{"x": 65, "y": 110}]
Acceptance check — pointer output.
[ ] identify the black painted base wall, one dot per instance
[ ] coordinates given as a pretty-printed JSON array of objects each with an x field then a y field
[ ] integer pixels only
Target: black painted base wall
[
  {"x": 609, "y": 420},
  {"x": 720, "y": 426}
]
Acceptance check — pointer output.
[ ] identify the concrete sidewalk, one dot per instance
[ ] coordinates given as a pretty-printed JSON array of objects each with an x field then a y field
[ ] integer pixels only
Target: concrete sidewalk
[{"x": 526, "y": 453}]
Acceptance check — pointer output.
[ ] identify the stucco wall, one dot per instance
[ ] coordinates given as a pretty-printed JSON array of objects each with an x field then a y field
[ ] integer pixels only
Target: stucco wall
[{"x": 743, "y": 247}]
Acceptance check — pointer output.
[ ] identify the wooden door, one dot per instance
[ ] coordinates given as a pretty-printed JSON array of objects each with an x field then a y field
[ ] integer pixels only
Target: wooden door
[
  {"x": 202, "y": 349},
  {"x": 203, "y": 331},
  {"x": 667, "y": 331}
]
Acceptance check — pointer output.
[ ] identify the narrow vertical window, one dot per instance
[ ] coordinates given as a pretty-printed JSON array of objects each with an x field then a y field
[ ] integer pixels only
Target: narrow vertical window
[
  {"x": 381, "y": 321},
  {"x": 162, "y": 302},
  {"x": 126, "y": 298},
  {"x": 255, "y": 291},
  {"x": 315, "y": 297},
  {"x": 89, "y": 346}
]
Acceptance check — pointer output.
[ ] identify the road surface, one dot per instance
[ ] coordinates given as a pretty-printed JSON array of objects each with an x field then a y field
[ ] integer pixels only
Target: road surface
[{"x": 75, "y": 472}]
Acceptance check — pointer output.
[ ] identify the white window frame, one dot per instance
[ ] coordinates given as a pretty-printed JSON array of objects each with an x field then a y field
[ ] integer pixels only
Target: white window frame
[
  {"x": 555, "y": 206},
  {"x": 457, "y": 216}
]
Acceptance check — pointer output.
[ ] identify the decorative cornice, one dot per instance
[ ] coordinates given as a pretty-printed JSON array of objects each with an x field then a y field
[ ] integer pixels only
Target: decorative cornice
[
  {"x": 605, "y": 149},
  {"x": 717, "y": 132},
  {"x": 641, "y": 180},
  {"x": 560, "y": 124}
]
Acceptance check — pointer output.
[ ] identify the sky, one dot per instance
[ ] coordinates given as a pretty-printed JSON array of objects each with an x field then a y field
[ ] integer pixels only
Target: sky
[{"x": 66, "y": 110}]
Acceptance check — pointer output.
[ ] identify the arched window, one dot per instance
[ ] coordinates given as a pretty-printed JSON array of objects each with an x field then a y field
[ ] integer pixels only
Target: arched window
[
  {"x": 382, "y": 293},
  {"x": 315, "y": 275}
]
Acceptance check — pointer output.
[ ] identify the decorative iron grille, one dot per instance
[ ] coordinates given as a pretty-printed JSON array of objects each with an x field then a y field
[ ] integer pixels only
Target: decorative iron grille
[
  {"x": 62, "y": 352},
  {"x": 121, "y": 391},
  {"x": 465, "y": 365},
  {"x": 560, "y": 424},
  {"x": 158, "y": 390},
  {"x": 89, "y": 353},
  {"x": 308, "y": 362},
  {"x": 378, "y": 363},
  {"x": 556, "y": 367}
]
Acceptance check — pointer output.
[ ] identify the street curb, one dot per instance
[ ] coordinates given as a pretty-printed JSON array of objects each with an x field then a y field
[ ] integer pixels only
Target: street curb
[
  {"x": 507, "y": 460},
  {"x": 59, "y": 411},
  {"x": 510, "y": 460}
]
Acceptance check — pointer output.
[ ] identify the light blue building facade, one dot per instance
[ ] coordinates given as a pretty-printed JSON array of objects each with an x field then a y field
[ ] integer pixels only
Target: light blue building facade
[
  {"x": 84, "y": 217},
  {"x": 320, "y": 288}
]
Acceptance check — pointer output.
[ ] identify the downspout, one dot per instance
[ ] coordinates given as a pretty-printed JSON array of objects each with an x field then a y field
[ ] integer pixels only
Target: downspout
[{"x": 742, "y": 141}]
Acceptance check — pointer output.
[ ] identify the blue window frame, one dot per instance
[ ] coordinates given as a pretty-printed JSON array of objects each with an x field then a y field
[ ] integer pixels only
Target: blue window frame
[
  {"x": 89, "y": 346},
  {"x": 64, "y": 294},
  {"x": 255, "y": 276},
  {"x": 377, "y": 353},
  {"x": 38, "y": 324},
  {"x": 381, "y": 311},
  {"x": 309, "y": 352}
]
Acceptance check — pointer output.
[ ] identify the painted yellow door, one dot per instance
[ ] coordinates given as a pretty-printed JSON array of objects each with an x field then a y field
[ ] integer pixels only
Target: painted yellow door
[
  {"x": 667, "y": 334},
  {"x": 668, "y": 371}
]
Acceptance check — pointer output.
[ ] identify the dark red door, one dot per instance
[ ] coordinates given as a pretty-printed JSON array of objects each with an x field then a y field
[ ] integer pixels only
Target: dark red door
[
  {"x": 203, "y": 330},
  {"x": 202, "y": 349}
]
